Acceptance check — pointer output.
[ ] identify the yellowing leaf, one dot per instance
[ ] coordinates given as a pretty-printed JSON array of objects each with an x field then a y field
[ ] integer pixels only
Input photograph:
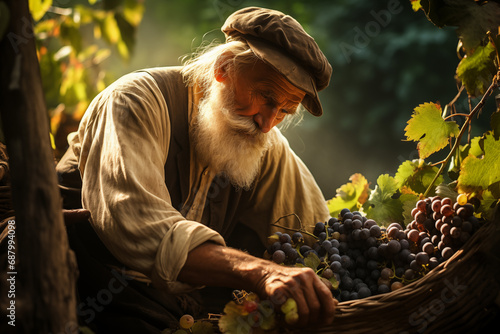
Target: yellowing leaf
[
  {"x": 428, "y": 128},
  {"x": 92, "y": 2},
  {"x": 110, "y": 29},
  {"x": 351, "y": 195},
  {"x": 133, "y": 12},
  {"x": 481, "y": 173},
  {"x": 123, "y": 50},
  {"x": 415, "y": 5},
  {"x": 381, "y": 206},
  {"x": 38, "y": 8},
  {"x": 476, "y": 70}
]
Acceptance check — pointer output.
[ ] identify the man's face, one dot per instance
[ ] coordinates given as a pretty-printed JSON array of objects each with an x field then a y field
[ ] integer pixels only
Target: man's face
[
  {"x": 263, "y": 94},
  {"x": 236, "y": 117}
]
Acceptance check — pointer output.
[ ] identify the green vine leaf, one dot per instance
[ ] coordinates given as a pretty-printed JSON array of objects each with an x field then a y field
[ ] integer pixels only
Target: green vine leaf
[
  {"x": 312, "y": 261},
  {"x": 480, "y": 173},
  {"x": 488, "y": 203},
  {"x": 416, "y": 175},
  {"x": 38, "y": 8},
  {"x": 351, "y": 195},
  {"x": 473, "y": 18},
  {"x": 381, "y": 206},
  {"x": 409, "y": 201},
  {"x": 476, "y": 70},
  {"x": 428, "y": 128}
]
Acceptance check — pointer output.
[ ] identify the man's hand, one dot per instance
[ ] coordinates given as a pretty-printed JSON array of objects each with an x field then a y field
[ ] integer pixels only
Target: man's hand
[
  {"x": 215, "y": 265},
  {"x": 315, "y": 303}
]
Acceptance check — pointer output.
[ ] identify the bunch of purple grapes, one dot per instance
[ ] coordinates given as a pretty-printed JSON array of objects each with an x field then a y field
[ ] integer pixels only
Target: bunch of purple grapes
[{"x": 366, "y": 259}]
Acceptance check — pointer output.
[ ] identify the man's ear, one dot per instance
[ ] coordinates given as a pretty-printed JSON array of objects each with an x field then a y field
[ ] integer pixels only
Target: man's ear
[{"x": 221, "y": 66}]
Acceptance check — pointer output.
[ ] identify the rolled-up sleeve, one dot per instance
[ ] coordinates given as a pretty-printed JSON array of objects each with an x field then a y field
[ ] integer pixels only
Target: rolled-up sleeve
[{"x": 123, "y": 145}]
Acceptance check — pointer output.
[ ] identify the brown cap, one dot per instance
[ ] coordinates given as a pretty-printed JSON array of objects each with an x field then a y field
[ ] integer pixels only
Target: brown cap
[{"x": 280, "y": 41}]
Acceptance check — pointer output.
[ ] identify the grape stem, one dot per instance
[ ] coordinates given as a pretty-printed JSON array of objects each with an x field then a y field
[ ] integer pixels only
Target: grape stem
[
  {"x": 453, "y": 115},
  {"x": 476, "y": 109},
  {"x": 302, "y": 229}
]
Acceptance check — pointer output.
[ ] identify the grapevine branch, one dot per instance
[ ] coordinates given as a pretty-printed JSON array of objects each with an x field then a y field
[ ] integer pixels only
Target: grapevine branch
[
  {"x": 302, "y": 229},
  {"x": 476, "y": 109}
]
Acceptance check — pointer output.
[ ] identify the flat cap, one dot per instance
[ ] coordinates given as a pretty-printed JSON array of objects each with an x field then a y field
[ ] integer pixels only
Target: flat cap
[{"x": 281, "y": 42}]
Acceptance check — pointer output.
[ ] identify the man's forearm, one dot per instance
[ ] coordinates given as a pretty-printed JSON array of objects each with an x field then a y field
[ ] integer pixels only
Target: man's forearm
[{"x": 215, "y": 265}]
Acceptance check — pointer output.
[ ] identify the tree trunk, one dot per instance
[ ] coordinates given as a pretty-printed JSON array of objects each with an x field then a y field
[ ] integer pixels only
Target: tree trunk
[{"x": 45, "y": 272}]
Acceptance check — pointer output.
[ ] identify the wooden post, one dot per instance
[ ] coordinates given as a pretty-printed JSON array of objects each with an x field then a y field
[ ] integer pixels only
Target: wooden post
[{"x": 46, "y": 268}]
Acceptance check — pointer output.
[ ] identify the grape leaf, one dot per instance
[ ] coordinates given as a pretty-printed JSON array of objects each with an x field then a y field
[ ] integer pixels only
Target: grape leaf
[
  {"x": 334, "y": 282},
  {"x": 416, "y": 175},
  {"x": 350, "y": 195},
  {"x": 473, "y": 18},
  {"x": 495, "y": 124},
  {"x": 312, "y": 261},
  {"x": 480, "y": 173},
  {"x": 476, "y": 70},
  {"x": 381, "y": 206},
  {"x": 409, "y": 201},
  {"x": 428, "y": 128},
  {"x": 476, "y": 146},
  {"x": 488, "y": 203}
]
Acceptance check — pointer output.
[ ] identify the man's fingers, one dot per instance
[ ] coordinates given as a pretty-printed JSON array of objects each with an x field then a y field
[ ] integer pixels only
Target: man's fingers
[
  {"x": 328, "y": 303},
  {"x": 302, "y": 308}
]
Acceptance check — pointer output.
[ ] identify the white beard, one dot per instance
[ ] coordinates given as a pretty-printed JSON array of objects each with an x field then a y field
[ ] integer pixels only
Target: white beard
[{"x": 230, "y": 144}]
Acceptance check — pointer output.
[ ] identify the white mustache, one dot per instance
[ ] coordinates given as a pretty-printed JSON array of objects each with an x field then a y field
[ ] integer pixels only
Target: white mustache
[{"x": 243, "y": 124}]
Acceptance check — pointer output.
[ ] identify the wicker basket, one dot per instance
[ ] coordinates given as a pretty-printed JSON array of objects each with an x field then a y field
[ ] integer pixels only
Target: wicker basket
[{"x": 462, "y": 295}]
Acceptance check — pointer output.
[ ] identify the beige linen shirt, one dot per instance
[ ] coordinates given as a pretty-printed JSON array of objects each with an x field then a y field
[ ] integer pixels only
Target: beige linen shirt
[{"x": 122, "y": 145}]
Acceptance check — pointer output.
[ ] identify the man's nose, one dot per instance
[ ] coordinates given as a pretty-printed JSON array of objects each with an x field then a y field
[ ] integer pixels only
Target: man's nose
[{"x": 266, "y": 118}]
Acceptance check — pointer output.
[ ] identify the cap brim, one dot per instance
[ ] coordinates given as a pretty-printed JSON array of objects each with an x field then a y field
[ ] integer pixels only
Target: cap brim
[{"x": 290, "y": 69}]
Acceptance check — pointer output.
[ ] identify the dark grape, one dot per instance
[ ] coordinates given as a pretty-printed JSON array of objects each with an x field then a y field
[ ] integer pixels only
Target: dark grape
[
  {"x": 428, "y": 248},
  {"x": 446, "y": 253},
  {"x": 422, "y": 258},
  {"x": 318, "y": 228},
  {"x": 297, "y": 237},
  {"x": 279, "y": 256},
  {"x": 393, "y": 247}
]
